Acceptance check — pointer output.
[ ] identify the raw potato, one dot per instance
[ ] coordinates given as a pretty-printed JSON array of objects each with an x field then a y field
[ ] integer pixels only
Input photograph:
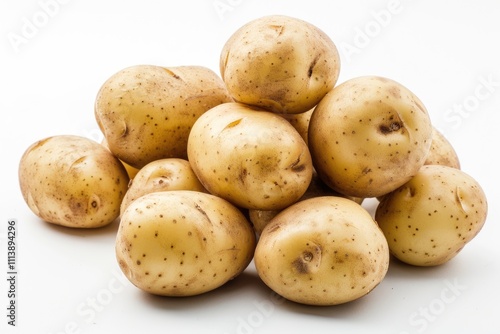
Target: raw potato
[
  {"x": 428, "y": 220},
  {"x": 368, "y": 136},
  {"x": 253, "y": 158},
  {"x": 146, "y": 111},
  {"x": 183, "y": 243},
  {"x": 279, "y": 63},
  {"x": 322, "y": 251},
  {"x": 162, "y": 175},
  {"x": 442, "y": 152},
  {"x": 300, "y": 122},
  {"x": 72, "y": 181},
  {"x": 131, "y": 171}
]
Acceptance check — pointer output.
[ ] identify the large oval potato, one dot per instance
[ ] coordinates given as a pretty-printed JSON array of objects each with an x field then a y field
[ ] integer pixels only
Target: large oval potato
[
  {"x": 279, "y": 63},
  {"x": 368, "y": 136},
  {"x": 253, "y": 158},
  {"x": 322, "y": 251},
  {"x": 183, "y": 243},
  {"x": 146, "y": 112},
  {"x": 72, "y": 181},
  {"x": 428, "y": 220},
  {"x": 162, "y": 175}
]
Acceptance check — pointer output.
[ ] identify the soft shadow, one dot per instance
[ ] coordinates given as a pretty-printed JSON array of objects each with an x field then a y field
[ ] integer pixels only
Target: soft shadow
[{"x": 109, "y": 230}]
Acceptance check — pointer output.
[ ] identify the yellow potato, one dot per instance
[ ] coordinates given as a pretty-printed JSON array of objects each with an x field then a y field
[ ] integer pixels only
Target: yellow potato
[
  {"x": 72, "y": 181},
  {"x": 146, "y": 112},
  {"x": 428, "y": 220},
  {"x": 131, "y": 171},
  {"x": 442, "y": 152},
  {"x": 279, "y": 63},
  {"x": 253, "y": 158},
  {"x": 368, "y": 136},
  {"x": 322, "y": 251},
  {"x": 183, "y": 243},
  {"x": 300, "y": 122},
  {"x": 162, "y": 175}
]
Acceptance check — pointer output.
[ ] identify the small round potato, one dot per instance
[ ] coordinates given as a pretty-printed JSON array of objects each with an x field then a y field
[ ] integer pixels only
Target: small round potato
[
  {"x": 253, "y": 158},
  {"x": 146, "y": 112},
  {"x": 428, "y": 220},
  {"x": 183, "y": 243},
  {"x": 162, "y": 175},
  {"x": 368, "y": 136},
  {"x": 300, "y": 122},
  {"x": 279, "y": 63},
  {"x": 72, "y": 181},
  {"x": 441, "y": 151},
  {"x": 322, "y": 251}
]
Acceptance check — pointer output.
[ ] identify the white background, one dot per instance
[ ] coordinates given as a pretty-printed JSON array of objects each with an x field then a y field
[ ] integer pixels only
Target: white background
[{"x": 54, "y": 59}]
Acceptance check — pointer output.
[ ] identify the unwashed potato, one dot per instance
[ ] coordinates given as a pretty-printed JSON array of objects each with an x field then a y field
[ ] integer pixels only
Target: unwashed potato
[
  {"x": 279, "y": 63},
  {"x": 162, "y": 175},
  {"x": 368, "y": 136},
  {"x": 442, "y": 151},
  {"x": 146, "y": 112},
  {"x": 72, "y": 181},
  {"x": 322, "y": 251},
  {"x": 253, "y": 158},
  {"x": 183, "y": 243},
  {"x": 428, "y": 220}
]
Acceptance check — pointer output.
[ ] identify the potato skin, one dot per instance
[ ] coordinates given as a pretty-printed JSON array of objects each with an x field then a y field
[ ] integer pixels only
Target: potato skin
[
  {"x": 162, "y": 175},
  {"x": 183, "y": 243},
  {"x": 428, "y": 220},
  {"x": 253, "y": 158},
  {"x": 279, "y": 63},
  {"x": 72, "y": 181},
  {"x": 146, "y": 112},
  {"x": 322, "y": 251},
  {"x": 442, "y": 151},
  {"x": 368, "y": 136}
]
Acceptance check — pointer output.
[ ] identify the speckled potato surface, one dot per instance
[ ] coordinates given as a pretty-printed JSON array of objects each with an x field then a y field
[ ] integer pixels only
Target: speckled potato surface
[
  {"x": 279, "y": 63},
  {"x": 368, "y": 136},
  {"x": 72, "y": 181},
  {"x": 428, "y": 220},
  {"x": 322, "y": 251},
  {"x": 162, "y": 175},
  {"x": 442, "y": 151},
  {"x": 147, "y": 111},
  {"x": 183, "y": 243},
  {"x": 253, "y": 158}
]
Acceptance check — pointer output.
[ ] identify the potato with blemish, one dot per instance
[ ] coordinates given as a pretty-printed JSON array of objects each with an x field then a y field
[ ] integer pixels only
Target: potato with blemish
[
  {"x": 72, "y": 181},
  {"x": 442, "y": 151},
  {"x": 322, "y": 251},
  {"x": 162, "y": 175},
  {"x": 428, "y": 220},
  {"x": 279, "y": 63},
  {"x": 146, "y": 112},
  {"x": 183, "y": 243},
  {"x": 368, "y": 136},
  {"x": 253, "y": 158}
]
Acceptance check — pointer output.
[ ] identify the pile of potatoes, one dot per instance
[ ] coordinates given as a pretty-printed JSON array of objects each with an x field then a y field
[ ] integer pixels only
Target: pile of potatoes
[{"x": 270, "y": 162}]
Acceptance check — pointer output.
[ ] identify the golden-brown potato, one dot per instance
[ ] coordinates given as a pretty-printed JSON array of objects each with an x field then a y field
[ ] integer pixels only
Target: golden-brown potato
[{"x": 72, "y": 181}]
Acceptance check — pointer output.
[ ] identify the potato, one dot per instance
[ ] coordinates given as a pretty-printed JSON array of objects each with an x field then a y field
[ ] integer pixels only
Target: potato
[
  {"x": 131, "y": 171},
  {"x": 322, "y": 251},
  {"x": 300, "y": 122},
  {"x": 279, "y": 63},
  {"x": 183, "y": 243},
  {"x": 368, "y": 136},
  {"x": 72, "y": 181},
  {"x": 428, "y": 220},
  {"x": 441, "y": 151},
  {"x": 146, "y": 112},
  {"x": 252, "y": 158},
  {"x": 162, "y": 175},
  {"x": 317, "y": 188}
]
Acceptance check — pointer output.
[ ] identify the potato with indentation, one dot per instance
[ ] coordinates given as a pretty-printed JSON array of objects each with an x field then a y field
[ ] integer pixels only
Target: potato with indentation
[
  {"x": 322, "y": 251},
  {"x": 253, "y": 158},
  {"x": 183, "y": 243},
  {"x": 428, "y": 220},
  {"x": 162, "y": 175},
  {"x": 72, "y": 181},
  {"x": 279, "y": 63},
  {"x": 368, "y": 136},
  {"x": 146, "y": 112}
]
